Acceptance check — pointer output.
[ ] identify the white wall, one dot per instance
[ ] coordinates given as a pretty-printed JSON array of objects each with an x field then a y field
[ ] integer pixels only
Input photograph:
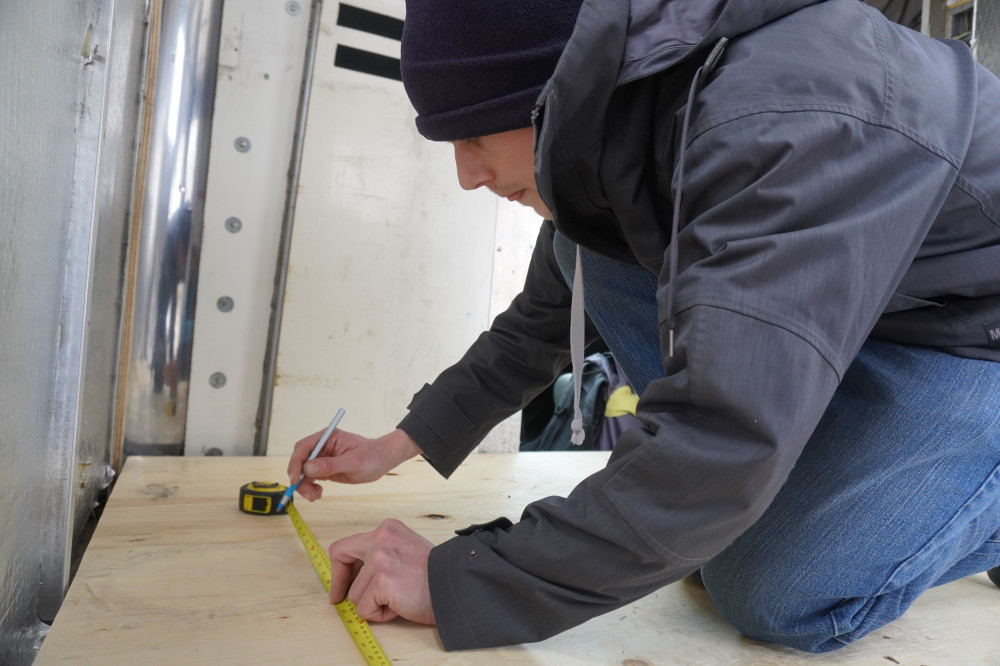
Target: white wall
[{"x": 394, "y": 270}]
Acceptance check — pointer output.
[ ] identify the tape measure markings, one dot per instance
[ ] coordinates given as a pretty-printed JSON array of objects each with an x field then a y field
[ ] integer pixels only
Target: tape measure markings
[
  {"x": 262, "y": 498},
  {"x": 359, "y": 629}
]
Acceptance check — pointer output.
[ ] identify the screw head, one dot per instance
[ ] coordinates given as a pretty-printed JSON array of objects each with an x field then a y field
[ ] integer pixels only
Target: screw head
[
  {"x": 293, "y": 8},
  {"x": 225, "y": 303},
  {"x": 233, "y": 225},
  {"x": 217, "y": 380},
  {"x": 214, "y": 451},
  {"x": 242, "y": 144}
]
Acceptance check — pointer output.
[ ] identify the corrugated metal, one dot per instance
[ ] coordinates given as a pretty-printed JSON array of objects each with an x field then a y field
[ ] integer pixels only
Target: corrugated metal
[
  {"x": 68, "y": 91},
  {"x": 122, "y": 91}
]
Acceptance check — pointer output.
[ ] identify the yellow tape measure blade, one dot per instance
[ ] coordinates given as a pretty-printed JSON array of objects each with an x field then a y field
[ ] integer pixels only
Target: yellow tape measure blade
[
  {"x": 320, "y": 560},
  {"x": 356, "y": 627}
]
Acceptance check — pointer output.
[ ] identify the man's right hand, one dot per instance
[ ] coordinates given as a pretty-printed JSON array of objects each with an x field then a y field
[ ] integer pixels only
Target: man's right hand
[{"x": 347, "y": 458}]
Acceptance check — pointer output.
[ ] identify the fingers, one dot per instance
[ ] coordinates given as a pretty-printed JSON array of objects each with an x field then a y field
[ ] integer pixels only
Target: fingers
[
  {"x": 324, "y": 468},
  {"x": 355, "y": 460},
  {"x": 346, "y": 458},
  {"x": 370, "y": 606},
  {"x": 300, "y": 452},
  {"x": 309, "y": 489},
  {"x": 344, "y": 564},
  {"x": 393, "y": 579},
  {"x": 368, "y": 598}
]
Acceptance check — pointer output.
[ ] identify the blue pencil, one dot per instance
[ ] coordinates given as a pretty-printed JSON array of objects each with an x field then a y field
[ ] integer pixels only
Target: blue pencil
[{"x": 315, "y": 452}]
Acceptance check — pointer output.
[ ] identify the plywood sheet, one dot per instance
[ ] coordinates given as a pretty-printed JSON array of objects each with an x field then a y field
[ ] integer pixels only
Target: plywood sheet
[{"x": 177, "y": 574}]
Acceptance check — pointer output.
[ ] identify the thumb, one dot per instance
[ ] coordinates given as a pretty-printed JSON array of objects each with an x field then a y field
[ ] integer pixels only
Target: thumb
[{"x": 321, "y": 468}]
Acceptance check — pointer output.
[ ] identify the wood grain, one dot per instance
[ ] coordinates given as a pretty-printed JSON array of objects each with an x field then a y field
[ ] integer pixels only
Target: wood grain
[{"x": 175, "y": 572}]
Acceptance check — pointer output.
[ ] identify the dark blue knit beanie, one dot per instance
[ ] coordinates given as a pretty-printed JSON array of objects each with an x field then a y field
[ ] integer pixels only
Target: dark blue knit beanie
[{"x": 476, "y": 67}]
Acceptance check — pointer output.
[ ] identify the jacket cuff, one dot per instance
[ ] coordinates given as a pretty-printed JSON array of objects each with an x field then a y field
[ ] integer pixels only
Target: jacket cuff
[
  {"x": 470, "y": 553},
  {"x": 453, "y": 628},
  {"x": 479, "y": 598},
  {"x": 438, "y": 427}
]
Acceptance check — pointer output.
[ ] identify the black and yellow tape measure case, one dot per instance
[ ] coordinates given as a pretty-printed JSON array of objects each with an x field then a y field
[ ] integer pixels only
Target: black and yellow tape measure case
[{"x": 262, "y": 498}]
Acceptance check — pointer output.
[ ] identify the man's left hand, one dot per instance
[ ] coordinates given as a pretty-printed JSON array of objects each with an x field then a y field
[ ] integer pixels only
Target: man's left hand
[{"x": 386, "y": 572}]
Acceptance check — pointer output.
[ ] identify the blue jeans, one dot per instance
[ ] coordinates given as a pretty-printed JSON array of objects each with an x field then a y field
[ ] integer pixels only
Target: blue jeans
[{"x": 897, "y": 490}]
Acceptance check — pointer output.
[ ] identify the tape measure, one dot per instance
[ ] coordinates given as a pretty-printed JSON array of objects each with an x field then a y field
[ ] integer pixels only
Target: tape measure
[{"x": 262, "y": 499}]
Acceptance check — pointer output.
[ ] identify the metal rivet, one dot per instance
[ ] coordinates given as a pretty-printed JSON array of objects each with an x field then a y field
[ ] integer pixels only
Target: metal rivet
[
  {"x": 472, "y": 553},
  {"x": 233, "y": 225},
  {"x": 225, "y": 303},
  {"x": 242, "y": 144},
  {"x": 214, "y": 451},
  {"x": 293, "y": 8},
  {"x": 217, "y": 380}
]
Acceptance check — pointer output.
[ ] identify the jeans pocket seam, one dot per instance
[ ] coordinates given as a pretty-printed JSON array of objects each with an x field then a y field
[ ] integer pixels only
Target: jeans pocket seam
[{"x": 934, "y": 542}]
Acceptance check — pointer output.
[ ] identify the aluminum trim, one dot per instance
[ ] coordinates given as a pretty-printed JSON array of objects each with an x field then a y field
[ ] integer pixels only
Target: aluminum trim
[{"x": 285, "y": 244}]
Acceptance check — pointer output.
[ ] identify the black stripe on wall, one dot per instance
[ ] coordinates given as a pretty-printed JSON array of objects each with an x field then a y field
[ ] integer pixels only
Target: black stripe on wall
[
  {"x": 371, "y": 22},
  {"x": 367, "y": 62}
]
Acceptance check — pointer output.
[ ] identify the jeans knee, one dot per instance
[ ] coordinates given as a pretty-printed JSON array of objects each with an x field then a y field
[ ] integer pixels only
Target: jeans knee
[{"x": 766, "y": 610}]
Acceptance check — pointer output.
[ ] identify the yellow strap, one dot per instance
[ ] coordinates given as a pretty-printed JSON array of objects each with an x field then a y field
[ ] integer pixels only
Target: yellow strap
[{"x": 622, "y": 401}]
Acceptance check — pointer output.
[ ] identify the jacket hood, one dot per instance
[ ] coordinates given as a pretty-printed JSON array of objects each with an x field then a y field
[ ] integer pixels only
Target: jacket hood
[
  {"x": 615, "y": 44},
  {"x": 661, "y": 33}
]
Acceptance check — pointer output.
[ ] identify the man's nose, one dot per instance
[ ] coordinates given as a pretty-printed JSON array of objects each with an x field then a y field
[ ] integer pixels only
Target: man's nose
[{"x": 472, "y": 173}]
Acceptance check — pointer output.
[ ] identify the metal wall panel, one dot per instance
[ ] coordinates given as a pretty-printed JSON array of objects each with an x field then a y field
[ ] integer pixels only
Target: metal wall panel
[
  {"x": 170, "y": 205},
  {"x": 261, "y": 62},
  {"x": 68, "y": 98},
  {"x": 115, "y": 180}
]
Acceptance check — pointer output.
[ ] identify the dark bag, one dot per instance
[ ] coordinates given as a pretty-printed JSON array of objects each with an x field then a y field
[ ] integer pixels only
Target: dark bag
[{"x": 556, "y": 435}]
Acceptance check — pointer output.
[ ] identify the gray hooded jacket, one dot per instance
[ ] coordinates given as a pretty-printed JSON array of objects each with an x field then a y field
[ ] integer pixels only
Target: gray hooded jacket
[{"x": 835, "y": 177}]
